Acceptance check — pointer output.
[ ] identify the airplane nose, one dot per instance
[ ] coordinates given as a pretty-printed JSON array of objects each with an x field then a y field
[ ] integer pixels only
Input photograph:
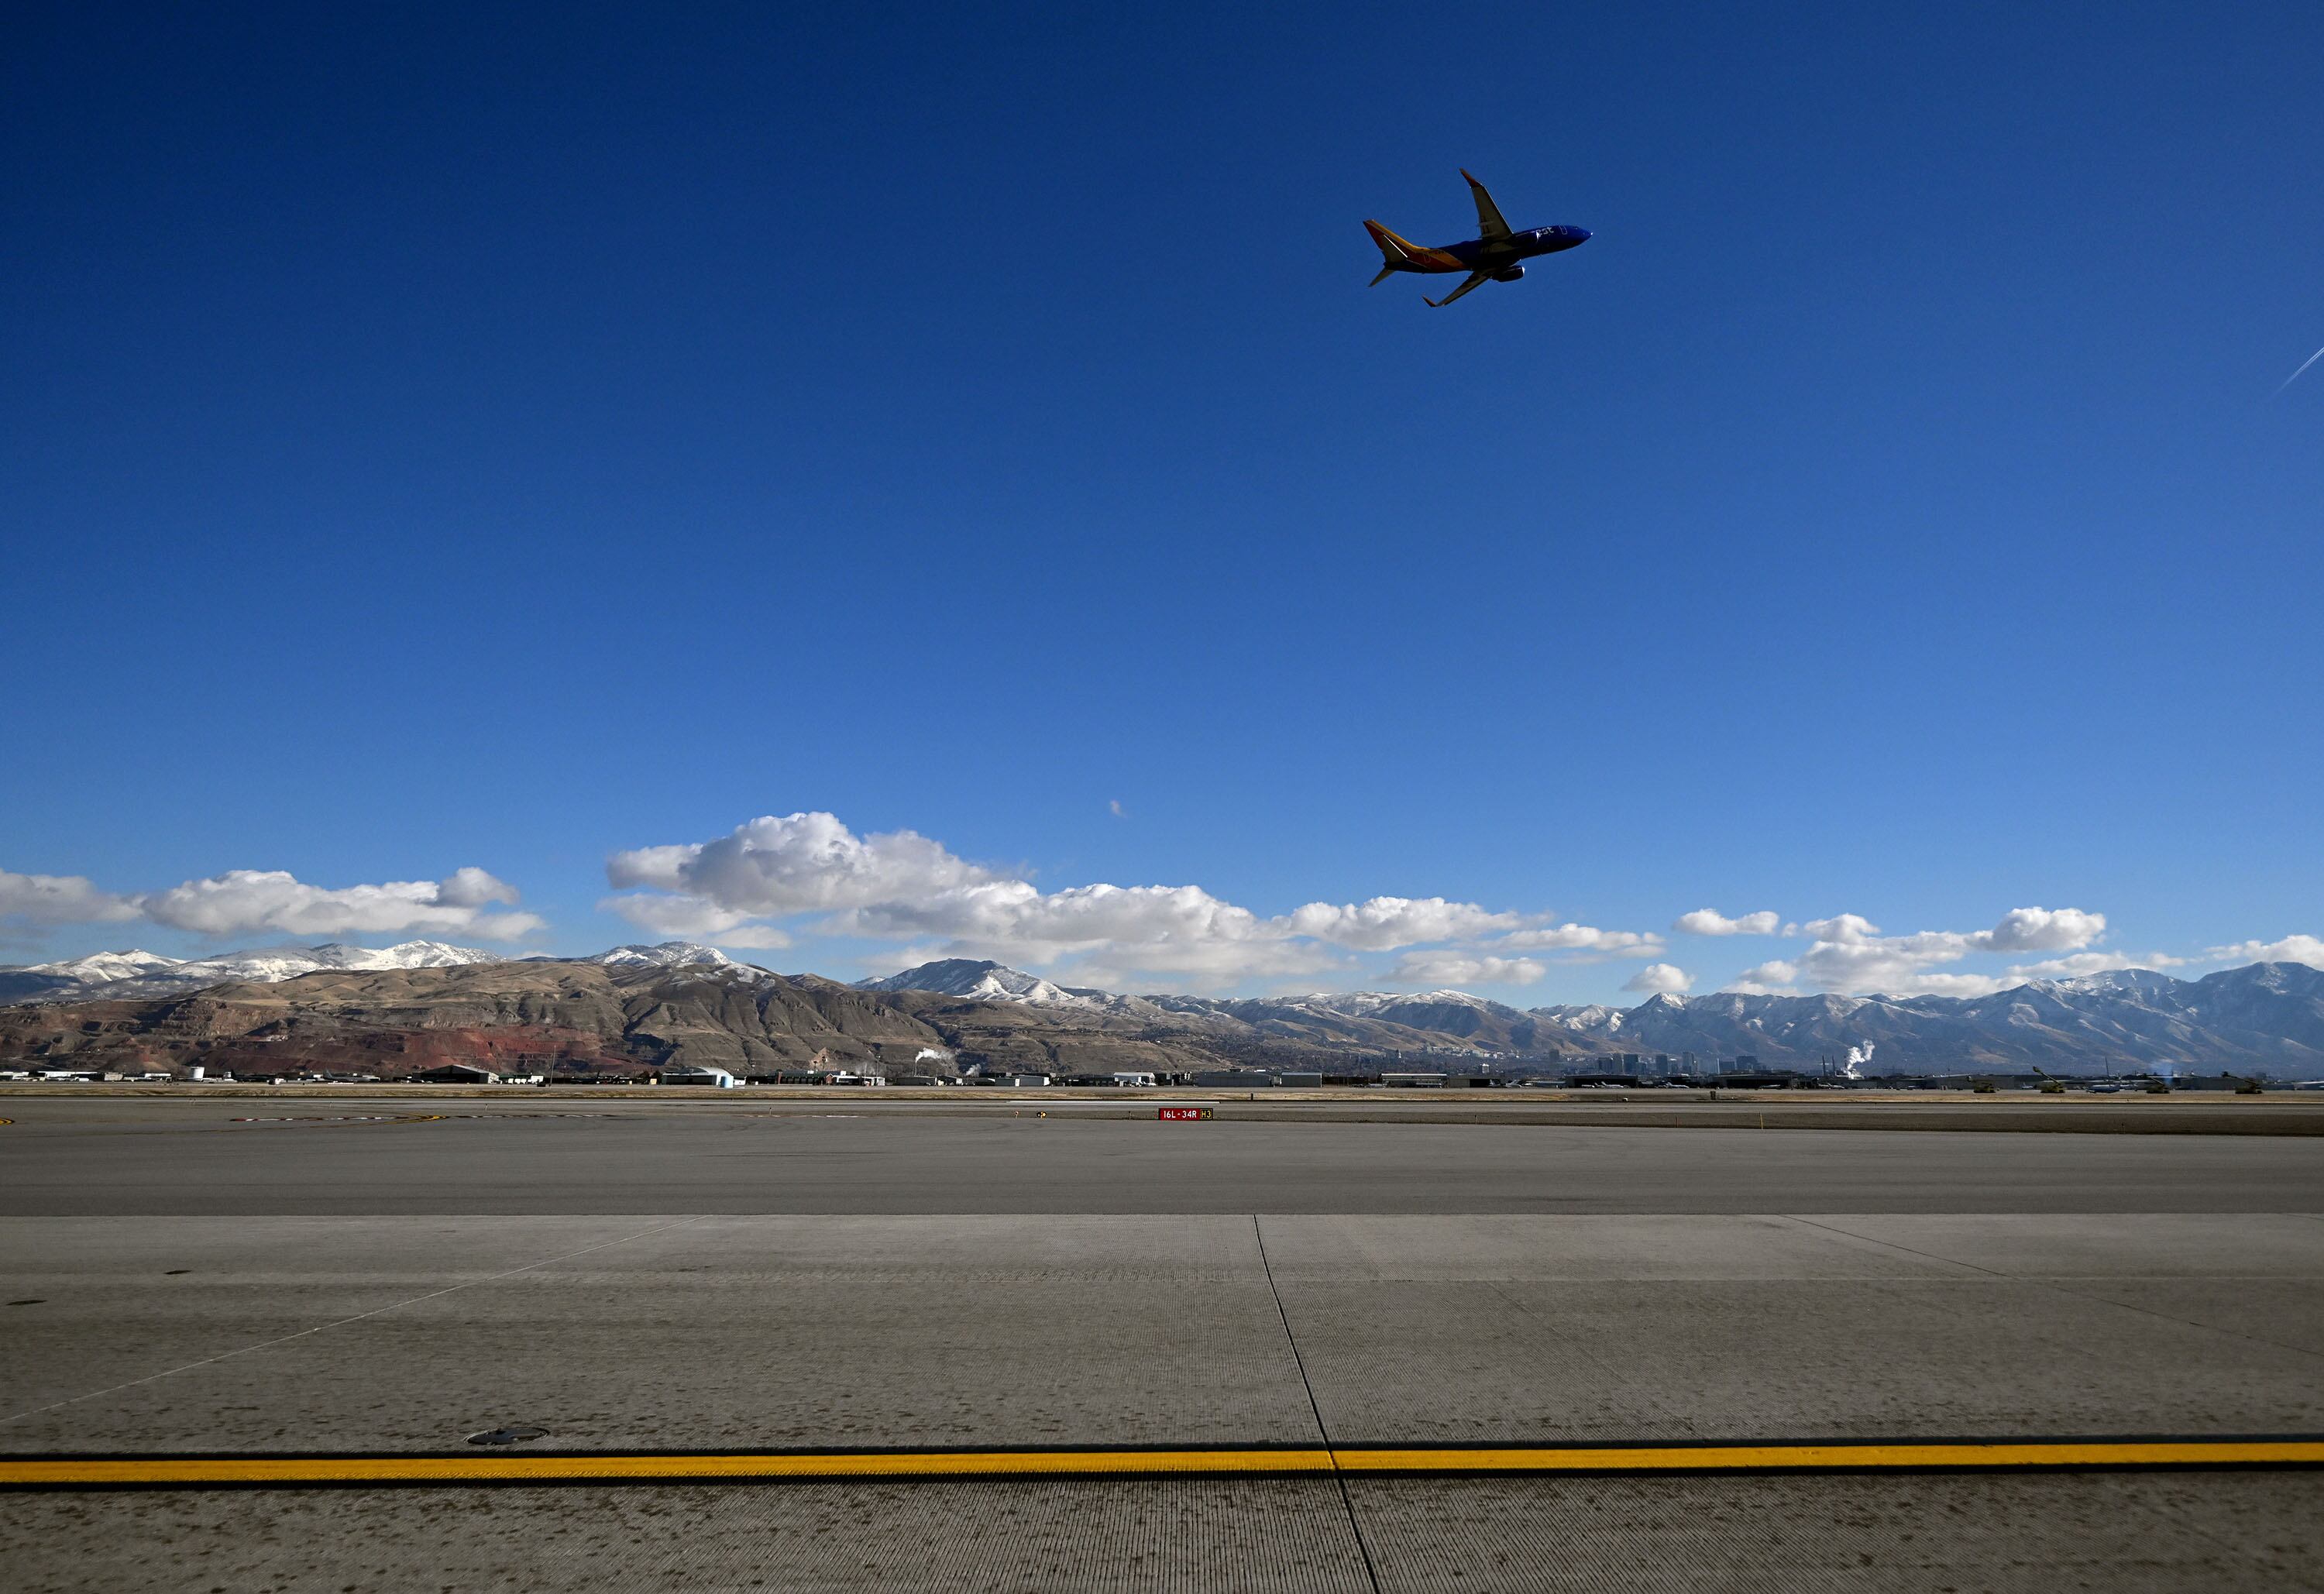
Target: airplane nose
[{"x": 1582, "y": 234}]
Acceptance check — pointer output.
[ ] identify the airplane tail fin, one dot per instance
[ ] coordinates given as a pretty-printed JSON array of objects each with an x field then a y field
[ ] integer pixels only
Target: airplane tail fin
[
  {"x": 1386, "y": 272},
  {"x": 1396, "y": 251}
]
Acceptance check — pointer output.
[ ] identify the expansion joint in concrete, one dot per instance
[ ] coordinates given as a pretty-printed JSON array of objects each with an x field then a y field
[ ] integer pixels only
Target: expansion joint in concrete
[{"x": 1355, "y": 1526}]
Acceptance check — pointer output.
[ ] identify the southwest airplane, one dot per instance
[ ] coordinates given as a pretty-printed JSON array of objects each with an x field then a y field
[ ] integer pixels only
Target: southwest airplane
[{"x": 1492, "y": 255}]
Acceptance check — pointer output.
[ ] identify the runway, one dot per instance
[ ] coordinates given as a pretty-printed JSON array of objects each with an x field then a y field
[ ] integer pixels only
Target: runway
[
  {"x": 271, "y": 1293},
  {"x": 546, "y": 1154}
]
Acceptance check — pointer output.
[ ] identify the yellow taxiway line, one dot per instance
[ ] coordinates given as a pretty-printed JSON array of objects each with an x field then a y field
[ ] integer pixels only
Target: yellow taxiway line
[
  {"x": 263, "y": 1471},
  {"x": 1852, "y": 1456}
]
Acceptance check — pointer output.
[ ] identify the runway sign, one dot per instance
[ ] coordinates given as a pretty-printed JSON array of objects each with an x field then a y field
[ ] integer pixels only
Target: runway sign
[{"x": 1180, "y": 1114}]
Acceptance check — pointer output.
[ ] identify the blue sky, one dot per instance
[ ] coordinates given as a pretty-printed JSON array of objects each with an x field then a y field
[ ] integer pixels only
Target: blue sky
[{"x": 508, "y": 439}]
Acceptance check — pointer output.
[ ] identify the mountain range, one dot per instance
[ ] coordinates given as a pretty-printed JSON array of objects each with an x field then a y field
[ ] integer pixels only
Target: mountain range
[
  {"x": 2262, "y": 1016},
  {"x": 638, "y": 1007},
  {"x": 118, "y": 974}
]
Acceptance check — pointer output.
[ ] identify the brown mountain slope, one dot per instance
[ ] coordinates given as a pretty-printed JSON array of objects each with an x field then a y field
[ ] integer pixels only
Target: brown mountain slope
[
  {"x": 576, "y": 1017},
  {"x": 534, "y": 1015},
  {"x": 586, "y": 1017}
]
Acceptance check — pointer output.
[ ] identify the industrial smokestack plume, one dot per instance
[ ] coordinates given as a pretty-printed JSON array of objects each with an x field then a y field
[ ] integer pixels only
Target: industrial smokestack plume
[{"x": 1857, "y": 1056}]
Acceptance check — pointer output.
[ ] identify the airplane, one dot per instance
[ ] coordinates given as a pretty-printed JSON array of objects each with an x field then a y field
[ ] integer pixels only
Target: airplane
[{"x": 1492, "y": 255}]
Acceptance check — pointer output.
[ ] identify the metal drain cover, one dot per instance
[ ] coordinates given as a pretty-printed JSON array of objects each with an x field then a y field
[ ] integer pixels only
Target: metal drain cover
[{"x": 514, "y": 1433}]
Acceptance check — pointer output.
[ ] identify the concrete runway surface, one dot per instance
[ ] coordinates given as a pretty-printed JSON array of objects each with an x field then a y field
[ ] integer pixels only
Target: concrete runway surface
[
  {"x": 181, "y": 1283},
  {"x": 546, "y": 1153}
]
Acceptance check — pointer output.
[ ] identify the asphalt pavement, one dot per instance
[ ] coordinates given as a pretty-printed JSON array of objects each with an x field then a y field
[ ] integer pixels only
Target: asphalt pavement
[
  {"x": 385, "y": 1285},
  {"x": 544, "y": 1153}
]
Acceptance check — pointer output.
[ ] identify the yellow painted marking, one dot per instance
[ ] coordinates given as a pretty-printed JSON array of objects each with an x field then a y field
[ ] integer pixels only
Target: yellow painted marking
[
  {"x": 261, "y": 1470},
  {"x": 1903, "y": 1456}
]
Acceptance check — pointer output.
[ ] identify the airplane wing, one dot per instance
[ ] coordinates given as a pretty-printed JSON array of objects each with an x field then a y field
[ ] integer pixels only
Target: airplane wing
[
  {"x": 1474, "y": 278},
  {"x": 1491, "y": 228}
]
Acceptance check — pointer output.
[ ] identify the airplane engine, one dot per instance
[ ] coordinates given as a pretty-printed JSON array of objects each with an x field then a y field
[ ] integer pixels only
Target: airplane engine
[{"x": 1510, "y": 275}]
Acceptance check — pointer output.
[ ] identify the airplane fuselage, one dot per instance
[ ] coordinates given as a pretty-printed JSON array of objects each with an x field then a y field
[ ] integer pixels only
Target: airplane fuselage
[
  {"x": 1478, "y": 254},
  {"x": 1496, "y": 253}
]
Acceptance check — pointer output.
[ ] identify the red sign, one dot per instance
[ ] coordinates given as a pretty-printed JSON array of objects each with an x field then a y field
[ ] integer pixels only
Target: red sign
[{"x": 1180, "y": 1114}]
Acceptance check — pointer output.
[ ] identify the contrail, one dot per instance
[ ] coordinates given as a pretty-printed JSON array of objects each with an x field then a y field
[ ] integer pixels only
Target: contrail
[{"x": 2304, "y": 364}]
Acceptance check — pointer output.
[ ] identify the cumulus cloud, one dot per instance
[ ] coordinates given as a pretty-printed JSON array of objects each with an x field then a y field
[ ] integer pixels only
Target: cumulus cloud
[
  {"x": 1705, "y": 921},
  {"x": 1464, "y": 967},
  {"x": 2043, "y": 929},
  {"x": 1385, "y": 923},
  {"x": 690, "y": 918},
  {"x": 1583, "y": 939},
  {"x": 1660, "y": 978},
  {"x": 1851, "y": 954},
  {"x": 1050, "y": 924},
  {"x": 249, "y": 901},
  {"x": 2292, "y": 949},
  {"x": 798, "y": 863},
  {"x": 58, "y": 899},
  {"x": 1773, "y": 977},
  {"x": 902, "y": 885}
]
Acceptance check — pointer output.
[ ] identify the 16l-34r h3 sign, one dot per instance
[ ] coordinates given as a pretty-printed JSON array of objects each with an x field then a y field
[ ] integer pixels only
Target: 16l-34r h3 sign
[{"x": 1180, "y": 1114}]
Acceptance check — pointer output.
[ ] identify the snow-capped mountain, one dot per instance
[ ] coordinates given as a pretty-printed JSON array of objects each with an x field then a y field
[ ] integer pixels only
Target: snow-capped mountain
[
  {"x": 1374, "y": 1004},
  {"x": 109, "y": 975},
  {"x": 669, "y": 954},
  {"x": 978, "y": 980},
  {"x": 99, "y": 967},
  {"x": 2265, "y": 1015}
]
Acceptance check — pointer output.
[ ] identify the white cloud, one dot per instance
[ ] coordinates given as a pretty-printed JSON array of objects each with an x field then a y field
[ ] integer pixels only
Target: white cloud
[
  {"x": 1018, "y": 913},
  {"x": 756, "y": 938},
  {"x": 1851, "y": 954},
  {"x": 799, "y": 863},
  {"x": 2292, "y": 949},
  {"x": 248, "y": 901},
  {"x": 1660, "y": 977},
  {"x": 2042, "y": 929},
  {"x": 59, "y": 899},
  {"x": 472, "y": 887},
  {"x": 689, "y": 918},
  {"x": 1114, "y": 806},
  {"x": 2089, "y": 962},
  {"x": 1116, "y": 930},
  {"x": 1584, "y": 938},
  {"x": 1705, "y": 921},
  {"x": 902, "y": 885},
  {"x": 1385, "y": 923},
  {"x": 1960, "y": 985},
  {"x": 1773, "y": 978},
  {"x": 1464, "y": 967}
]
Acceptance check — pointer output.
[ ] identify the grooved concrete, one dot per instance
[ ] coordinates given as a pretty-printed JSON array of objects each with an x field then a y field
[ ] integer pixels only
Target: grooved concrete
[
  {"x": 727, "y": 1331},
  {"x": 2158, "y": 1534},
  {"x": 184, "y": 1155},
  {"x": 311, "y": 1323},
  {"x": 1279, "y": 1537}
]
